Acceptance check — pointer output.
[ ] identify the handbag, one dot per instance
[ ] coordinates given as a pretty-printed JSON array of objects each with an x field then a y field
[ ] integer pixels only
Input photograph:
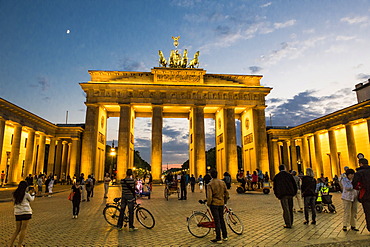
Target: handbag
[{"x": 70, "y": 197}]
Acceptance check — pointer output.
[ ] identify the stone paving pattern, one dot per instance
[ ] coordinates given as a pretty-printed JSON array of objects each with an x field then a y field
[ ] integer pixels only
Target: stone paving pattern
[{"x": 52, "y": 223}]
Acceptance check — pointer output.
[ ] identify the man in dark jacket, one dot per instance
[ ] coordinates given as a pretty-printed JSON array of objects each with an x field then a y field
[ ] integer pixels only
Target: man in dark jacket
[
  {"x": 361, "y": 181},
  {"x": 285, "y": 188}
]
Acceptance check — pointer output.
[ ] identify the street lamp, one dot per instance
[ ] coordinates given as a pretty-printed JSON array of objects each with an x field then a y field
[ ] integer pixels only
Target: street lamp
[{"x": 112, "y": 154}]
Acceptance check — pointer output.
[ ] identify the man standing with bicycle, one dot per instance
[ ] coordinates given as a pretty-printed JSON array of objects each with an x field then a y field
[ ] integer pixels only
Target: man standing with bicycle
[
  {"x": 128, "y": 198},
  {"x": 217, "y": 196}
]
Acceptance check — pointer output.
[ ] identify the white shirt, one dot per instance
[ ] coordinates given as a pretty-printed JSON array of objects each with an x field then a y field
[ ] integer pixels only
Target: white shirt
[{"x": 24, "y": 207}]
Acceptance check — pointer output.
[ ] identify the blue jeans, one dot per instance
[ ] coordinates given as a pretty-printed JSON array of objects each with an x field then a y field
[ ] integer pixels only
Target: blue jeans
[
  {"x": 128, "y": 200},
  {"x": 218, "y": 216},
  {"x": 309, "y": 201}
]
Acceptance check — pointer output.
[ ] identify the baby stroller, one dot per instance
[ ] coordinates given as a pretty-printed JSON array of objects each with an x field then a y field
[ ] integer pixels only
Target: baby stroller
[{"x": 324, "y": 202}]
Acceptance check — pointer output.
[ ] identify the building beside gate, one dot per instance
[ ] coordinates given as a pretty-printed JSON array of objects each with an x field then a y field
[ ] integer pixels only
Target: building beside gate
[
  {"x": 30, "y": 144},
  {"x": 326, "y": 144}
]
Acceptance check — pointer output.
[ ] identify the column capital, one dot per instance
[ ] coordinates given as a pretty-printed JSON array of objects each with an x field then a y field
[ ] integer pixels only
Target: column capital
[{"x": 91, "y": 104}]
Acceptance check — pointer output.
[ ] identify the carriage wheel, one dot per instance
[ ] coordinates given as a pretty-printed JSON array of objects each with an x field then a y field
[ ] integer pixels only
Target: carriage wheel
[{"x": 166, "y": 192}]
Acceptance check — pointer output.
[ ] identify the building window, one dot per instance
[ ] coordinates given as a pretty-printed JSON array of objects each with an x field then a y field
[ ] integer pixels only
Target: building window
[
  {"x": 25, "y": 142},
  {"x": 11, "y": 140}
]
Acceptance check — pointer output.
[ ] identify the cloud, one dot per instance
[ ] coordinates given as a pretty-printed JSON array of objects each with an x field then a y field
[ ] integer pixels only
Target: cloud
[
  {"x": 355, "y": 20},
  {"x": 42, "y": 83},
  {"x": 363, "y": 76},
  {"x": 279, "y": 25},
  {"x": 344, "y": 38},
  {"x": 305, "y": 106},
  {"x": 291, "y": 50},
  {"x": 131, "y": 65},
  {"x": 255, "y": 69},
  {"x": 266, "y": 5}
]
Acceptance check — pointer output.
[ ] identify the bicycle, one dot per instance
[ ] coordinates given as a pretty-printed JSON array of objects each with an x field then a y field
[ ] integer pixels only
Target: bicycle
[
  {"x": 112, "y": 210},
  {"x": 200, "y": 223}
]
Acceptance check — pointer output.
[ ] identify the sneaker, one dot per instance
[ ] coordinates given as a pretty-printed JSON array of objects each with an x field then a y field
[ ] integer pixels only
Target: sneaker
[
  {"x": 306, "y": 222},
  {"x": 215, "y": 241},
  {"x": 344, "y": 228},
  {"x": 75, "y": 216},
  {"x": 285, "y": 226},
  {"x": 133, "y": 229},
  {"x": 353, "y": 228},
  {"x": 313, "y": 222},
  {"x": 225, "y": 239}
]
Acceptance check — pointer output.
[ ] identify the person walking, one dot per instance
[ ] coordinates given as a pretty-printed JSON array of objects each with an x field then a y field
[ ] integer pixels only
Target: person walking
[
  {"x": 128, "y": 199},
  {"x": 183, "y": 186},
  {"x": 200, "y": 181},
  {"x": 39, "y": 185},
  {"x": 349, "y": 199},
  {"x": 227, "y": 180},
  {"x": 285, "y": 188},
  {"x": 76, "y": 200},
  {"x": 82, "y": 183},
  {"x": 192, "y": 182},
  {"x": 2, "y": 178},
  {"x": 93, "y": 185},
  {"x": 308, "y": 188},
  {"x": 22, "y": 211},
  {"x": 89, "y": 187},
  {"x": 50, "y": 187},
  {"x": 298, "y": 207},
  {"x": 217, "y": 196},
  {"x": 361, "y": 182},
  {"x": 207, "y": 178},
  {"x": 106, "y": 184}
]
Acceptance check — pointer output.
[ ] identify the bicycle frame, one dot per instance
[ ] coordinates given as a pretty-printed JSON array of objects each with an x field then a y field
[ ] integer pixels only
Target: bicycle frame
[{"x": 211, "y": 224}]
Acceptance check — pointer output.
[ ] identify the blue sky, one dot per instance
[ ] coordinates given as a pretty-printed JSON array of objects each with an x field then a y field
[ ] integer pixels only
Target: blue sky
[{"x": 312, "y": 53}]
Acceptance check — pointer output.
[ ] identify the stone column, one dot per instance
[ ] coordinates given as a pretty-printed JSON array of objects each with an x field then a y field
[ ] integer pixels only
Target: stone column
[
  {"x": 351, "y": 145},
  {"x": 276, "y": 161},
  {"x": 68, "y": 159},
  {"x": 15, "y": 169},
  {"x": 89, "y": 140},
  {"x": 41, "y": 154},
  {"x": 2, "y": 134},
  {"x": 157, "y": 125},
  {"x": 293, "y": 153},
  {"x": 305, "y": 154},
  {"x": 286, "y": 160},
  {"x": 58, "y": 158},
  {"x": 123, "y": 154},
  {"x": 199, "y": 141},
  {"x": 29, "y": 152},
  {"x": 260, "y": 138},
  {"x": 333, "y": 153},
  {"x": 63, "y": 169},
  {"x": 368, "y": 130},
  {"x": 231, "y": 149},
  {"x": 74, "y": 154},
  {"x": 318, "y": 155},
  {"x": 51, "y": 158}
]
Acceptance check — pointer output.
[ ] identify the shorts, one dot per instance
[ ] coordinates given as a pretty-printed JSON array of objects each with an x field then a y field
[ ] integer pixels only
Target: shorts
[{"x": 23, "y": 217}]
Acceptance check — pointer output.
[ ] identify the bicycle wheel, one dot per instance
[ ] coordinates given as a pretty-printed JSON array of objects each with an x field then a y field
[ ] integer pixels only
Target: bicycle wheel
[
  {"x": 234, "y": 223},
  {"x": 145, "y": 218},
  {"x": 111, "y": 214},
  {"x": 196, "y": 224}
]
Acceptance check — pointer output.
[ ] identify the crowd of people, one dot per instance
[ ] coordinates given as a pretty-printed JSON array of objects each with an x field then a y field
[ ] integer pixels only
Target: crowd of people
[
  {"x": 291, "y": 188},
  {"x": 296, "y": 192}
]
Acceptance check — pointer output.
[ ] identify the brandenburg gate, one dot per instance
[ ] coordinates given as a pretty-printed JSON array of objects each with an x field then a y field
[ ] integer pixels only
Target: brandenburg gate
[{"x": 176, "y": 89}]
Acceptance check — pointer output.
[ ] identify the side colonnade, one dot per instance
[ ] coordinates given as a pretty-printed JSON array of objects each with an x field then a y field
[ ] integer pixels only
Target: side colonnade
[{"x": 326, "y": 144}]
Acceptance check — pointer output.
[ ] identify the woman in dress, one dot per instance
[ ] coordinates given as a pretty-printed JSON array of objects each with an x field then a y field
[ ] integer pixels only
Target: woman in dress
[
  {"x": 76, "y": 200},
  {"x": 22, "y": 211}
]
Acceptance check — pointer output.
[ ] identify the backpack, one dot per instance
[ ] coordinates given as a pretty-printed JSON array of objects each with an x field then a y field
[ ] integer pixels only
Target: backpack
[{"x": 88, "y": 183}]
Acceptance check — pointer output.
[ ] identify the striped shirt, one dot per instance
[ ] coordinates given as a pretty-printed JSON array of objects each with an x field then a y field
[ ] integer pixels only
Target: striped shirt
[{"x": 125, "y": 186}]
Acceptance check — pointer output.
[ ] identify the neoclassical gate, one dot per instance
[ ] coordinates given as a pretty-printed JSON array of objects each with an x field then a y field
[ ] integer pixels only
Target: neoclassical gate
[{"x": 171, "y": 93}]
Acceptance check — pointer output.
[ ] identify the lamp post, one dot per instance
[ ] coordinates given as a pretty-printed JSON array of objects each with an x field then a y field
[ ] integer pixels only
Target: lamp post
[{"x": 112, "y": 154}]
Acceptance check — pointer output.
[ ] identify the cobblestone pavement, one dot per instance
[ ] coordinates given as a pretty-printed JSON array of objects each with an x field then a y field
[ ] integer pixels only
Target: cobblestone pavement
[{"x": 52, "y": 223}]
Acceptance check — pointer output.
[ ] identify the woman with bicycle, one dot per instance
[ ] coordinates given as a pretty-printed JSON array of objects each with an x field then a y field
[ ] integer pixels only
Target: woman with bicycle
[{"x": 128, "y": 198}]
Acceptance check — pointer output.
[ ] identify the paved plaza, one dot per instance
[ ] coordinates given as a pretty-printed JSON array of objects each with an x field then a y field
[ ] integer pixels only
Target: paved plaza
[{"x": 52, "y": 223}]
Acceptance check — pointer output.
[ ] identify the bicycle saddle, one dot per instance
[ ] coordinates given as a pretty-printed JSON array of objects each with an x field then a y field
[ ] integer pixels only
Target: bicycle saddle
[{"x": 202, "y": 201}]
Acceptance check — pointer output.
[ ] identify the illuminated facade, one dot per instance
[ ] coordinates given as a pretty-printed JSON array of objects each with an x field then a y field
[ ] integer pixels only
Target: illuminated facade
[
  {"x": 30, "y": 145},
  {"x": 326, "y": 144},
  {"x": 176, "y": 93}
]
